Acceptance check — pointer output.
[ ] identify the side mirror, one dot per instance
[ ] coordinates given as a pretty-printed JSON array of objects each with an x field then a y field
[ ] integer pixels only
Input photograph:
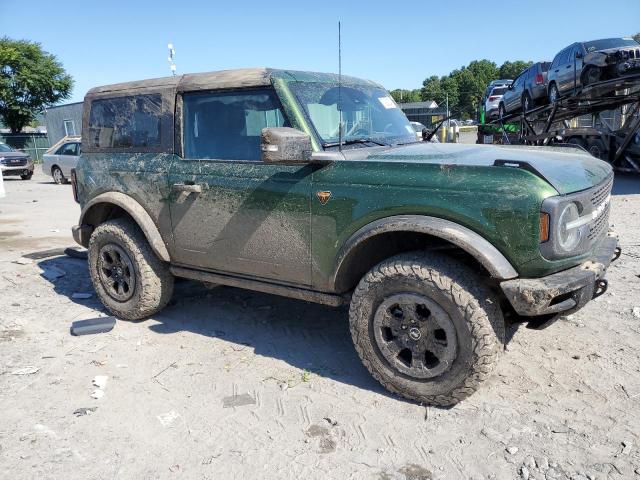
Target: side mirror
[{"x": 285, "y": 145}]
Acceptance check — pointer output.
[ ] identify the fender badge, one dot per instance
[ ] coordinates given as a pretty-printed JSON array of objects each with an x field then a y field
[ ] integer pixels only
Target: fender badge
[{"x": 323, "y": 197}]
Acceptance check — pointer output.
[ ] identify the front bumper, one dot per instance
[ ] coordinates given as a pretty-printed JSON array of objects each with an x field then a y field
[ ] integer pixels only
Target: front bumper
[
  {"x": 566, "y": 291},
  {"x": 8, "y": 170}
]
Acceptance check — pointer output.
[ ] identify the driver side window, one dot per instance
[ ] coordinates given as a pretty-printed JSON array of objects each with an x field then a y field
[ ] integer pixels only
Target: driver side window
[{"x": 227, "y": 125}]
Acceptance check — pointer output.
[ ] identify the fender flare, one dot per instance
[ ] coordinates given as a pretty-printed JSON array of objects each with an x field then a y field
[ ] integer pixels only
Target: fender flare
[
  {"x": 468, "y": 240},
  {"x": 139, "y": 215}
]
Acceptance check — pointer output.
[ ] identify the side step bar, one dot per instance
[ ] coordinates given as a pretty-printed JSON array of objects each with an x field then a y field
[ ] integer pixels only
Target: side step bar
[{"x": 265, "y": 287}]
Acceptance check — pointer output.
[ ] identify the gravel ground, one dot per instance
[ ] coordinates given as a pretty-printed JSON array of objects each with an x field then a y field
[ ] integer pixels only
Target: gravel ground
[{"x": 228, "y": 383}]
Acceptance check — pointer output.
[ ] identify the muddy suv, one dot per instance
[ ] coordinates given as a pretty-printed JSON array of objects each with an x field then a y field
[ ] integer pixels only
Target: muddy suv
[{"x": 314, "y": 187}]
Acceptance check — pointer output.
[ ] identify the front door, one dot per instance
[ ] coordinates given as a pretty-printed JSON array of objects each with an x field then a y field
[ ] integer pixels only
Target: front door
[
  {"x": 67, "y": 158},
  {"x": 230, "y": 211}
]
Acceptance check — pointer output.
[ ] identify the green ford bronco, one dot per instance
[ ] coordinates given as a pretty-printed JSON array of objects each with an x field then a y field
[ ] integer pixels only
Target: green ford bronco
[{"x": 314, "y": 186}]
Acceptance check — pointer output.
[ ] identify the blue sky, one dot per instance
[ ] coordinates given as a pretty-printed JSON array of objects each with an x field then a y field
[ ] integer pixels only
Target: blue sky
[{"x": 395, "y": 43}]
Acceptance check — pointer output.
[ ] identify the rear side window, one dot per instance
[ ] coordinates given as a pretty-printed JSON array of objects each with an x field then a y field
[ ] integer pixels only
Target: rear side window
[
  {"x": 68, "y": 149},
  {"x": 131, "y": 122}
]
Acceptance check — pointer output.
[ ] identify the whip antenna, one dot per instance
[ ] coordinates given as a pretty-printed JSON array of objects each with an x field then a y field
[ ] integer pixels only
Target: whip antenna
[{"x": 339, "y": 88}]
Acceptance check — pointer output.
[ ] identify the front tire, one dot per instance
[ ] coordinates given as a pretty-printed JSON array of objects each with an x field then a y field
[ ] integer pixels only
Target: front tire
[
  {"x": 130, "y": 280},
  {"x": 554, "y": 94},
  {"x": 27, "y": 176},
  {"x": 426, "y": 327},
  {"x": 501, "y": 111}
]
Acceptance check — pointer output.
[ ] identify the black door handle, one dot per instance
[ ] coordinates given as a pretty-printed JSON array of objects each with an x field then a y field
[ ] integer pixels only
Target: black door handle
[{"x": 188, "y": 188}]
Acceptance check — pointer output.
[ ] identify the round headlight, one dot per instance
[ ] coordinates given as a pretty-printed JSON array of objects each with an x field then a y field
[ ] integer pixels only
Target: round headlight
[{"x": 568, "y": 239}]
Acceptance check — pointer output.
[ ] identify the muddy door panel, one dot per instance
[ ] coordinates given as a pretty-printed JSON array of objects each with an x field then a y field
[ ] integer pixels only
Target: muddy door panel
[{"x": 246, "y": 218}]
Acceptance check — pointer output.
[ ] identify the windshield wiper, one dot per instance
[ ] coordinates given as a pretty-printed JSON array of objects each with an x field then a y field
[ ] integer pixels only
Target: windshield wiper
[{"x": 354, "y": 141}]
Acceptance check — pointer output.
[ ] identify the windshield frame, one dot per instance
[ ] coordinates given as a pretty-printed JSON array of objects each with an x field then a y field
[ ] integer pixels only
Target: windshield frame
[{"x": 350, "y": 141}]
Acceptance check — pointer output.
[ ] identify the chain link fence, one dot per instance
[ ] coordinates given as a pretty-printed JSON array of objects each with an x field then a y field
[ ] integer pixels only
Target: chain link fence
[{"x": 33, "y": 144}]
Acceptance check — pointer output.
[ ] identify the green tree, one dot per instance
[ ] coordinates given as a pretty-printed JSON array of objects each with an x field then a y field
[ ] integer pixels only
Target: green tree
[
  {"x": 404, "y": 96},
  {"x": 30, "y": 80},
  {"x": 513, "y": 69},
  {"x": 472, "y": 80}
]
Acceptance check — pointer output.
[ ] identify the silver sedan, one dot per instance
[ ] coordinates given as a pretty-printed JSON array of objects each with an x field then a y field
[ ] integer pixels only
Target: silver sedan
[{"x": 61, "y": 160}]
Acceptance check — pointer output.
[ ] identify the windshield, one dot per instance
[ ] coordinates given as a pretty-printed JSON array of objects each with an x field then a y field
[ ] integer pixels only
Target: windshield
[
  {"x": 5, "y": 148},
  {"x": 609, "y": 43},
  {"x": 368, "y": 113},
  {"x": 498, "y": 91}
]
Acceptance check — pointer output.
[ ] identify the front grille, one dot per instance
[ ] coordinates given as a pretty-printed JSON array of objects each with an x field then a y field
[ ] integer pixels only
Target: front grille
[
  {"x": 601, "y": 192},
  {"x": 599, "y": 224},
  {"x": 14, "y": 162},
  {"x": 600, "y": 195}
]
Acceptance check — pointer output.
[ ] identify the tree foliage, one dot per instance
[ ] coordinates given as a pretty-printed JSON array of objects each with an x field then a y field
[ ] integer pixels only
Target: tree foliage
[
  {"x": 513, "y": 69},
  {"x": 463, "y": 88},
  {"x": 405, "y": 96},
  {"x": 30, "y": 80},
  {"x": 636, "y": 37}
]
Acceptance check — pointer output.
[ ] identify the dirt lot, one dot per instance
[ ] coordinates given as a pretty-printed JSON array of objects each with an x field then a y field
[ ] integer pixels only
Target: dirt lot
[{"x": 227, "y": 383}]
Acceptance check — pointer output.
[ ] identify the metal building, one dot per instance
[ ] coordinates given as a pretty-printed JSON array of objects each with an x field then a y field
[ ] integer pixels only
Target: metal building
[
  {"x": 427, "y": 113},
  {"x": 63, "y": 120}
]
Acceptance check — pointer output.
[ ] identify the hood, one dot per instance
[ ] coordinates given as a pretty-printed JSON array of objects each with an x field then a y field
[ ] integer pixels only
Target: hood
[
  {"x": 566, "y": 169},
  {"x": 13, "y": 155}
]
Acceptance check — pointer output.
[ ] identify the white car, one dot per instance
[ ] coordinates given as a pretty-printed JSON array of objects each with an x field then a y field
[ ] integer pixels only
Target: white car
[
  {"x": 493, "y": 99},
  {"x": 59, "y": 161},
  {"x": 418, "y": 127}
]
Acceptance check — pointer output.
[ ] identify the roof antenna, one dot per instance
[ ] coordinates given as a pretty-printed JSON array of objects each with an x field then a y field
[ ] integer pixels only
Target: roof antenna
[{"x": 339, "y": 89}]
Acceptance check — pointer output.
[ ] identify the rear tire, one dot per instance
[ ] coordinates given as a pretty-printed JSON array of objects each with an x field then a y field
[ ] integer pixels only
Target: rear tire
[
  {"x": 527, "y": 104},
  {"x": 445, "y": 328},
  {"x": 130, "y": 280},
  {"x": 58, "y": 176},
  {"x": 598, "y": 149}
]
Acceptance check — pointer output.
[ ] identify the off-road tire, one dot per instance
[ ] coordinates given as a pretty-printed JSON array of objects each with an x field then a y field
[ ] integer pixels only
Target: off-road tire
[
  {"x": 153, "y": 281},
  {"x": 473, "y": 308}
]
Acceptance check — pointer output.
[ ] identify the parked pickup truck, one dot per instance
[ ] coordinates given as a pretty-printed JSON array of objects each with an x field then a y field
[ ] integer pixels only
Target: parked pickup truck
[{"x": 314, "y": 186}]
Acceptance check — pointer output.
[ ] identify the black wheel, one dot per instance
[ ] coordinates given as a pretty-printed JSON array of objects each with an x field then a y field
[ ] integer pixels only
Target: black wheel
[
  {"x": 27, "y": 176},
  {"x": 590, "y": 75},
  {"x": 501, "y": 111},
  {"x": 554, "y": 95},
  {"x": 527, "y": 104},
  {"x": 426, "y": 327},
  {"x": 578, "y": 142},
  {"x": 598, "y": 149},
  {"x": 130, "y": 280},
  {"x": 58, "y": 176}
]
